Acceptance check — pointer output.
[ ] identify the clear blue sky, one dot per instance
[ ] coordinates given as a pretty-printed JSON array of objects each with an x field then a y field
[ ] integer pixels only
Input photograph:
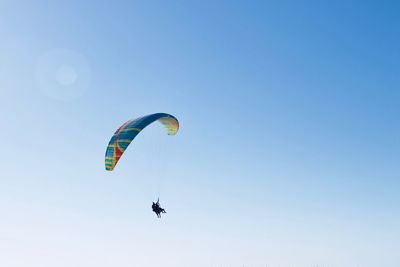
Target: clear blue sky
[{"x": 288, "y": 153}]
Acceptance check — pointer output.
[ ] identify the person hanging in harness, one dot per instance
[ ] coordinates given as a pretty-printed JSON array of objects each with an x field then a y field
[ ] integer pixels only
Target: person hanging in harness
[{"x": 157, "y": 208}]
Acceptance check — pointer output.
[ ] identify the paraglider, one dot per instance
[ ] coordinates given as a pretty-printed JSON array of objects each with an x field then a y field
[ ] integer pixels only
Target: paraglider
[
  {"x": 157, "y": 208},
  {"x": 127, "y": 132}
]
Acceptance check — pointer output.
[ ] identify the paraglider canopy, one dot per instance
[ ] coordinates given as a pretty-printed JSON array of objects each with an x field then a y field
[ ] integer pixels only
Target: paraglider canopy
[{"x": 129, "y": 130}]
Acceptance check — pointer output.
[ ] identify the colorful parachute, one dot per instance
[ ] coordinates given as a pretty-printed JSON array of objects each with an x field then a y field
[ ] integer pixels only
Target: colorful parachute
[{"x": 128, "y": 131}]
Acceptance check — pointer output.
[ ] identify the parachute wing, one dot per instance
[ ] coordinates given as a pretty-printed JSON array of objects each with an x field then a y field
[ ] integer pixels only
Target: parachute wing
[{"x": 130, "y": 129}]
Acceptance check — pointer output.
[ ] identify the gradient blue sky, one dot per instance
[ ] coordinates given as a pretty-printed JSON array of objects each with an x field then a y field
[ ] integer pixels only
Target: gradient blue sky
[{"x": 288, "y": 153}]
